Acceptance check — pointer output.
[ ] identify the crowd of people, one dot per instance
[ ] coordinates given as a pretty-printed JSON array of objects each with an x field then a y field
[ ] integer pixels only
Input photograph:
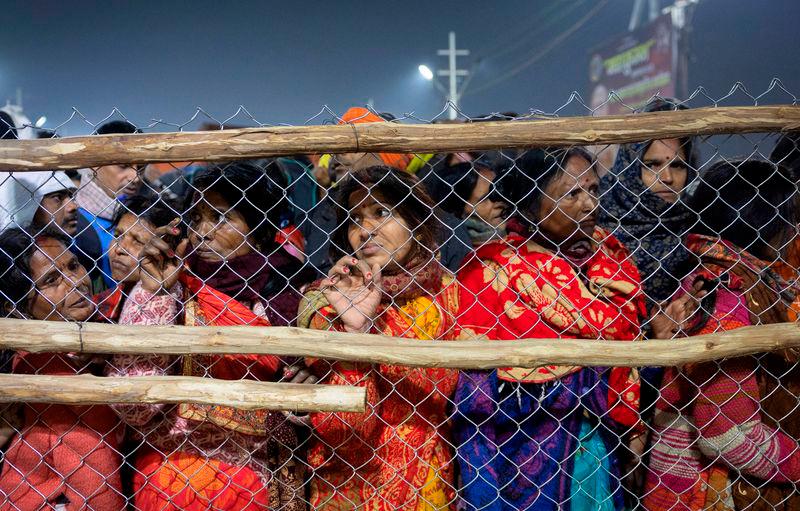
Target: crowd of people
[{"x": 495, "y": 246}]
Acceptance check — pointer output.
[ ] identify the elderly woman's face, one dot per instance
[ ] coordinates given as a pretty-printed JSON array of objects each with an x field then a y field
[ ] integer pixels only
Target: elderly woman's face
[
  {"x": 62, "y": 288},
  {"x": 376, "y": 234},
  {"x": 569, "y": 207},
  {"x": 131, "y": 234},
  {"x": 217, "y": 232}
]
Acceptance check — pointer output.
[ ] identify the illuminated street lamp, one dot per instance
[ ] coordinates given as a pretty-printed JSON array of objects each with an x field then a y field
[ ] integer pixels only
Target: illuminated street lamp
[
  {"x": 426, "y": 72},
  {"x": 452, "y": 94}
]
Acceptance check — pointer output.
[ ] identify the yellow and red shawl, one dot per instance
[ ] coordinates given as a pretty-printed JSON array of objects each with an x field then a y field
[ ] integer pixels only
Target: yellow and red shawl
[{"x": 398, "y": 455}]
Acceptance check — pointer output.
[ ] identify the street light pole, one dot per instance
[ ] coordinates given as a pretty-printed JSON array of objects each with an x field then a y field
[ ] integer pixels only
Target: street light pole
[{"x": 452, "y": 72}]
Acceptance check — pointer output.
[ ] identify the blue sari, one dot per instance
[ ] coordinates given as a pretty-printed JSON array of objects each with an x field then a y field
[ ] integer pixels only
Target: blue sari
[{"x": 520, "y": 444}]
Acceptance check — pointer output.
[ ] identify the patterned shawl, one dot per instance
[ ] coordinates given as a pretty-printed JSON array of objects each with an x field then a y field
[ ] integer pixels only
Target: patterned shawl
[
  {"x": 680, "y": 476},
  {"x": 768, "y": 294},
  {"x": 652, "y": 229},
  {"x": 516, "y": 289},
  {"x": 109, "y": 302}
]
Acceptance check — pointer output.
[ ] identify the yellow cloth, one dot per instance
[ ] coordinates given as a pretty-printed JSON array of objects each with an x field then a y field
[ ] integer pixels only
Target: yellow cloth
[{"x": 433, "y": 495}]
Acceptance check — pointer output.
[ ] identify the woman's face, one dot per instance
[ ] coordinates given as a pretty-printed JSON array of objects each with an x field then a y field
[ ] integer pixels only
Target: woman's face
[
  {"x": 376, "y": 234},
  {"x": 480, "y": 204},
  {"x": 62, "y": 288},
  {"x": 664, "y": 170},
  {"x": 217, "y": 232},
  {"x": 568, "y": 211},
  {"x": 130, "y": 237}
]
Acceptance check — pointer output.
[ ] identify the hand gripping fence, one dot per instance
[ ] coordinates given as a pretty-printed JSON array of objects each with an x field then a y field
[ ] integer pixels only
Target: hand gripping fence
[{"x": 541, "y": 311}]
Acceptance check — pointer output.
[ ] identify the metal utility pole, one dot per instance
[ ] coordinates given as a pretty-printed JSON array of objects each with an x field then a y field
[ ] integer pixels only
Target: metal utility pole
[
  {"x": 453, "y": 73},
  {"x": 638, "y": 10},
  {"x": 681, "y": 12}
]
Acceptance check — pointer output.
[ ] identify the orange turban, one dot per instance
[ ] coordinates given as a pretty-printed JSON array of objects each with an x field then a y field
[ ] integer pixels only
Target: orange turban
[{"x": 357, "y": 115}]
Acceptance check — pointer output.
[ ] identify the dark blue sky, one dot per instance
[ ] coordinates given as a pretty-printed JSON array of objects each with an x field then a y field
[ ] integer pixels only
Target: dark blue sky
[{"x": 285, "y": 60}]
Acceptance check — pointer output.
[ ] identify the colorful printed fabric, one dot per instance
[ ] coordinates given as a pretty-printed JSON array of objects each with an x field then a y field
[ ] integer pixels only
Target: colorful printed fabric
[
  {"x": 397, "y": 456},
  {"x": 207, "y": 306},
  {"x": 714, "y": 446},
  {"x": 109, "y": 303},
  {"x": 195, "y": 483},
  {"x": 220, "y": 439},
  {"x": 789, "y": 270},
  {"x": 517, "y": 428},
  {"x": 62, "y": 453}
]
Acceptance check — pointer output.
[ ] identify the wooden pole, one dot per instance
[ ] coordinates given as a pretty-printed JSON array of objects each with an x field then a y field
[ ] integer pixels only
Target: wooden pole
[
  {"x": 248, "y": 395},
  {"x": 55, "y": 336},
  {"x": 94, "y": 151}
]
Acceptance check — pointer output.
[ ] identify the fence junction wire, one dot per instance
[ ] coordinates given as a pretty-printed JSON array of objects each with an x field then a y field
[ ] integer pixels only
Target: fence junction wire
[{"x": 520, "y": 311}]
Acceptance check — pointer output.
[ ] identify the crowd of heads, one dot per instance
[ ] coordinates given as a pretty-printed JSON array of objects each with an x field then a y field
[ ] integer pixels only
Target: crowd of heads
[{"x": 344, "y": 241}]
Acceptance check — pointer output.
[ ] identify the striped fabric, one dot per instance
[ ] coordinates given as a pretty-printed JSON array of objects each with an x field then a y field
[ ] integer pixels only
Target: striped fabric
[{"x": 708, "y": 429}]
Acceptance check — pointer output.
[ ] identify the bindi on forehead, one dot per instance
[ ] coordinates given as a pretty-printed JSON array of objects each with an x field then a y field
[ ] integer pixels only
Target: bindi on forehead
[{"x": 590, "y": 178}]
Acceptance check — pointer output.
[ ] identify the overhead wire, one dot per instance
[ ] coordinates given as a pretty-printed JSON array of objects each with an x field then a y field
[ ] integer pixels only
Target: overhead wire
[
  {"x": 543, "y": 52},
  {"x": 541, "y": 25}
]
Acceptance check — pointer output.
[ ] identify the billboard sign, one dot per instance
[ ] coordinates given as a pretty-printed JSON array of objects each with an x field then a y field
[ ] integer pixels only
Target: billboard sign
[{"x": 636, "y": 66}]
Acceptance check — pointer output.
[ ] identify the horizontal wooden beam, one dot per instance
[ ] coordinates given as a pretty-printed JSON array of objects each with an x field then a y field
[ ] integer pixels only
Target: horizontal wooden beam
[
  {"x": 54, "y": 336},
  {"x": 225, "y": 145},
  {"x": 248, "y": 395}
]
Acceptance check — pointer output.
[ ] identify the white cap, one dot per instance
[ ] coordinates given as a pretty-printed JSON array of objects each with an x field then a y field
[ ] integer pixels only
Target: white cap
[{"x": 21, "y": 194}]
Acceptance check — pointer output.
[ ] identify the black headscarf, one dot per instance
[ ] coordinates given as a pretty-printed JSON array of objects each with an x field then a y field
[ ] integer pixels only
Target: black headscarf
[{"x": 652, "y": 229}]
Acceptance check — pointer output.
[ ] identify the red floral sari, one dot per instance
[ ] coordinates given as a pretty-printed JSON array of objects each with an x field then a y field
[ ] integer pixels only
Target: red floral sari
[
  {"x": 546, "y": 437},
  {"x": 397, "y": 456},
  {"x": 516, "y": 289}
]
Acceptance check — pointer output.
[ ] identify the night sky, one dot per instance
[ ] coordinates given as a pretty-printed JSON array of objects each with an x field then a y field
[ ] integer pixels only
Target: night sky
[{"x": 285, "y": 61}]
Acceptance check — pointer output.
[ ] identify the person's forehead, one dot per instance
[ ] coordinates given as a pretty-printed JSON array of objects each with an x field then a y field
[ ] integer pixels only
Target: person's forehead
[
  {"x": 49, "y": 251},
  {"x": 50, "y": 245},
  {"x": 211, "y": 199},
  {"x": 129, "y": 221},
  {"x": 579, "y": 169},
  {"x": 361, "y": 198},
  {"x": 670, "y": 145}
]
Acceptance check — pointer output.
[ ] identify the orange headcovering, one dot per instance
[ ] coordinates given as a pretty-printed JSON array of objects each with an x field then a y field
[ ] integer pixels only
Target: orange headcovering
[{"x": 357, "y": 115}]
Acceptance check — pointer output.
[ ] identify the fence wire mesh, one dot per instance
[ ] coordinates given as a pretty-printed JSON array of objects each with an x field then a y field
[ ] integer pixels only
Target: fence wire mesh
[{"x": 655, "y": 239}]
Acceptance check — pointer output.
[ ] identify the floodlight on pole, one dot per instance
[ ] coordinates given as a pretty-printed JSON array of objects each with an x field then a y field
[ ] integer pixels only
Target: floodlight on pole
[
  {"x": 452, "y": 72},
  {"x": 426, "y": 72}
]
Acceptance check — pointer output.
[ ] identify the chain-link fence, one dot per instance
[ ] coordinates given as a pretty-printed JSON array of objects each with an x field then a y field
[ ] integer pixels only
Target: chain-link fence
[{"x": 580, "y": 232}]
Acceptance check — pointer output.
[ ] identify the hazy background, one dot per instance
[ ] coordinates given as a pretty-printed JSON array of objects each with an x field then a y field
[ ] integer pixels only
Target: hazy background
[{"x": 284, "y": 61}]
